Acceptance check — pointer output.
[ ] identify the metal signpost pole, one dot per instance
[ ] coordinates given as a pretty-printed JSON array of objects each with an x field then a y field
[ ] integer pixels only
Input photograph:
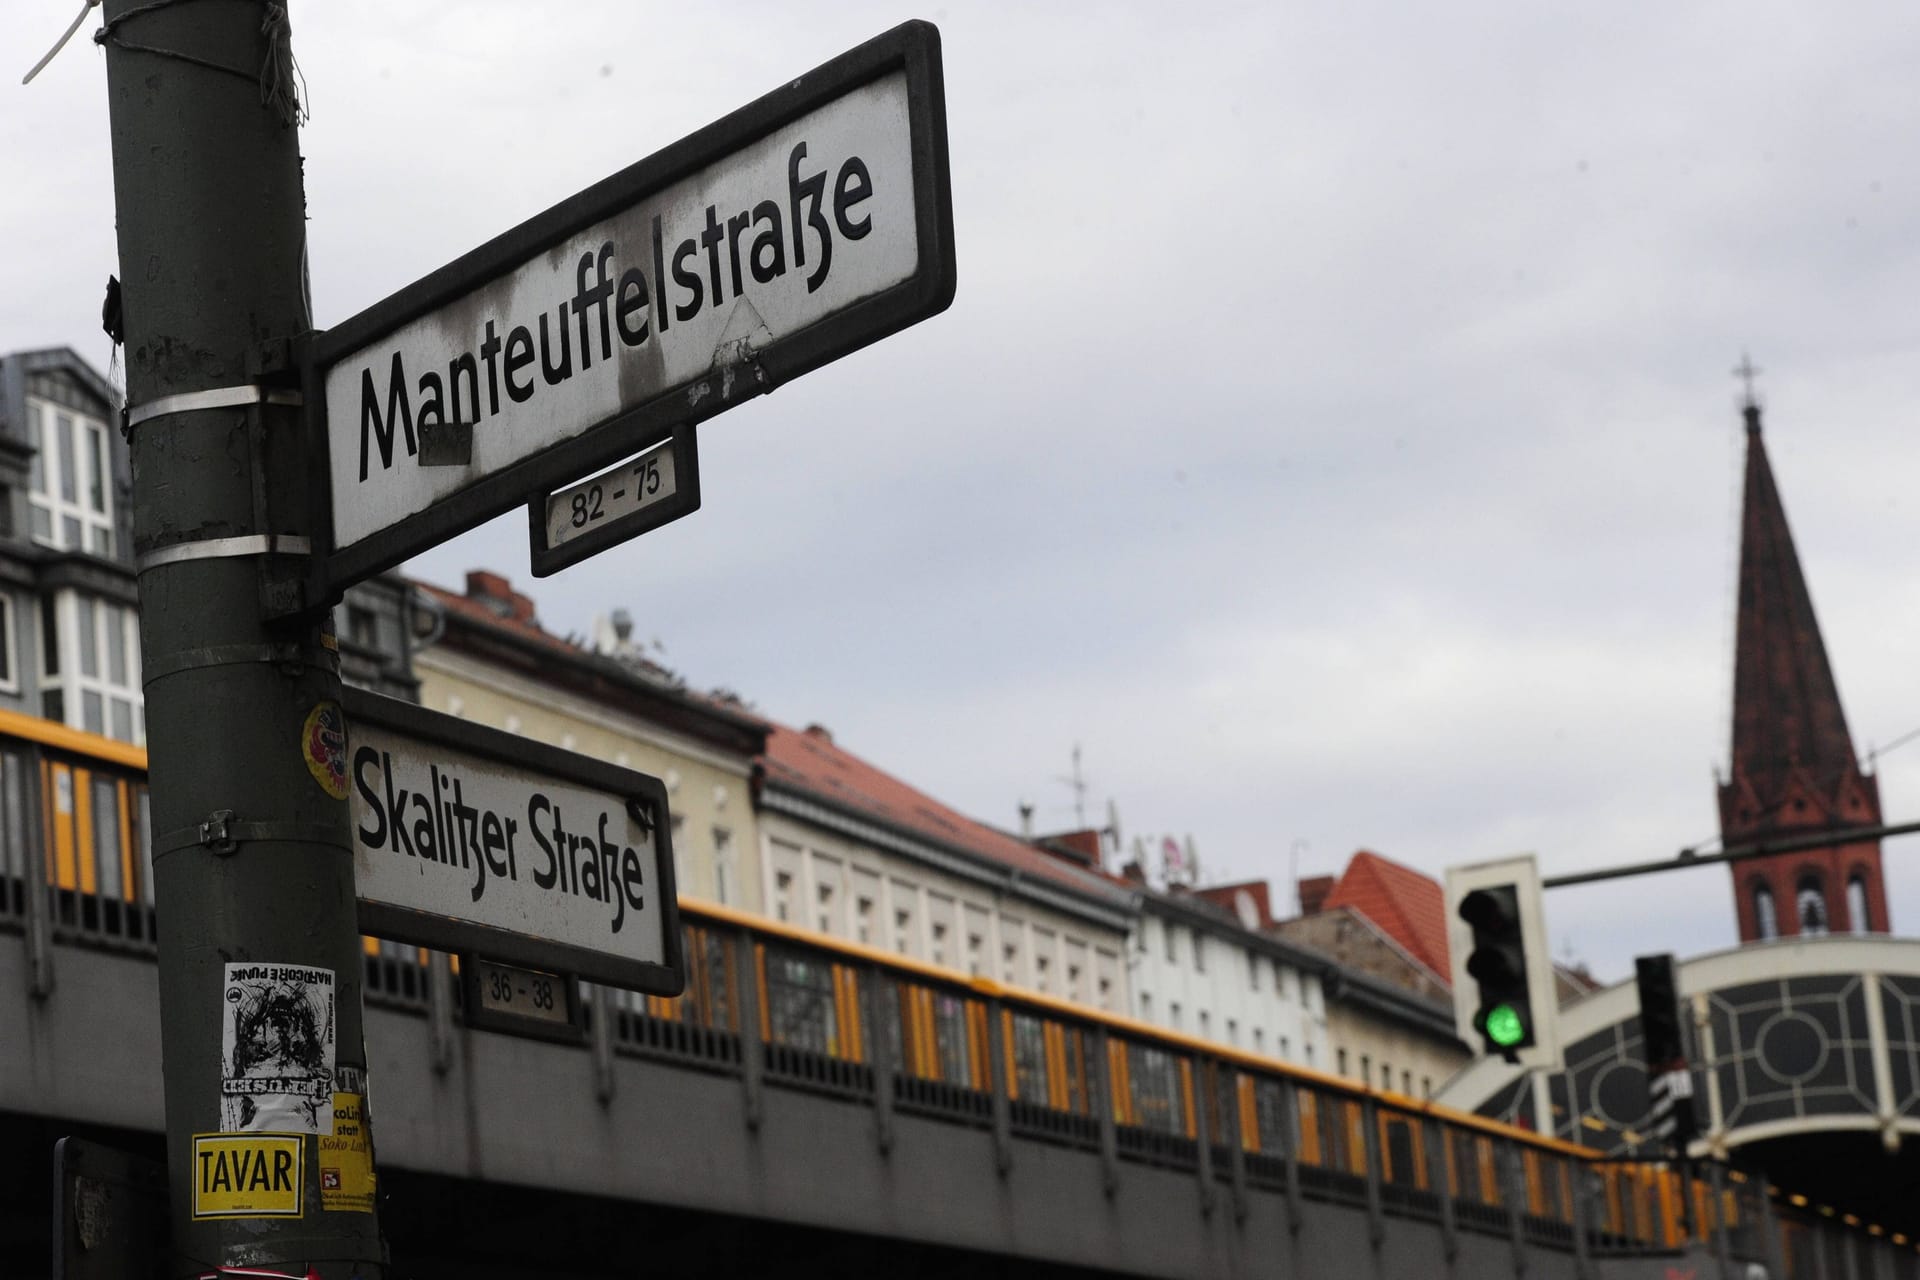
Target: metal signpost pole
[{"x": 268, "y": 1158}]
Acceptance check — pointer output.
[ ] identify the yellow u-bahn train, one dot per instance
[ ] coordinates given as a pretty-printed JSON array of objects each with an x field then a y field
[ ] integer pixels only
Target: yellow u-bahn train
[{"x": 825, "y": 1013}]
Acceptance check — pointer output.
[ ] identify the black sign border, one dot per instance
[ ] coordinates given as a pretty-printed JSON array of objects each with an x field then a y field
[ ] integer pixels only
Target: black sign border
[
  {"x": 548, "y": 560},
  {"x": 913, "y": 47},
  {"x": 449, "y": 933}
]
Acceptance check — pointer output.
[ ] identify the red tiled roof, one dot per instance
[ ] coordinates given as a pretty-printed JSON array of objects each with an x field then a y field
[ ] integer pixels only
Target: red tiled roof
[
  {"x": 1409, "y": 907},
  {"x": 810, "y": 762}
]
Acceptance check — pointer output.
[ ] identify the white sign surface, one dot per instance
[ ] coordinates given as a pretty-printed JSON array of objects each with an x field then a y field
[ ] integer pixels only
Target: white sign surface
[
  {"x": 628, "y": 489},
  {"x": 462, "y": 837},
  {"x": 679, "y": 290}
]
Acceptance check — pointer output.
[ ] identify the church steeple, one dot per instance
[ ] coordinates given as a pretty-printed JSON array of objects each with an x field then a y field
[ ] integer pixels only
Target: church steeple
[{"x": 1793, "y": 766}]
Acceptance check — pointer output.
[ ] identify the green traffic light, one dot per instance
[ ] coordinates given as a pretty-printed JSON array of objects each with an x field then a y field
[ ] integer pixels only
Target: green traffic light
[{"x": 1504, "y": 1026}]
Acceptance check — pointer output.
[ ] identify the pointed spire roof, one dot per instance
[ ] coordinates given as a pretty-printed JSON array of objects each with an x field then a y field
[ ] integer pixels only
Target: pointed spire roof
[{"x": 1786, "y": 707}]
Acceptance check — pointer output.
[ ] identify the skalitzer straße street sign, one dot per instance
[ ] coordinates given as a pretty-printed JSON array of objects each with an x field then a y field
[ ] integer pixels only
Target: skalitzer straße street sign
[{"x": 786, "y": 235}]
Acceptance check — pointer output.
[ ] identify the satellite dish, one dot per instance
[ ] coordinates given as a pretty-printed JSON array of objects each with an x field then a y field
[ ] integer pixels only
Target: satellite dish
[{"x": 1247, "y": 909}]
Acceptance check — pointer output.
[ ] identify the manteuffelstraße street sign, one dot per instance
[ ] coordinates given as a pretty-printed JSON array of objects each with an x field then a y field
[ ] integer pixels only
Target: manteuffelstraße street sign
[{"x": 792, "y": 232}]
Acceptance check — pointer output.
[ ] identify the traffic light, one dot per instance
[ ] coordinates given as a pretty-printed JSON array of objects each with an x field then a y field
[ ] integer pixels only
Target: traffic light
[
  {"x": 1498, "y": 965},
  {"x": 1669, "y": 1081}
]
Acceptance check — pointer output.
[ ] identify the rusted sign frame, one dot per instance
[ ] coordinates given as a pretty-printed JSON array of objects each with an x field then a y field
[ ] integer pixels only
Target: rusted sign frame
[{"x": 912, "y": 48}]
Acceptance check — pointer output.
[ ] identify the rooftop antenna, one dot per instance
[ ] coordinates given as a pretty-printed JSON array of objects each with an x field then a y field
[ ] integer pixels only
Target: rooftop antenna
[
  {"x": 1026, "y": 819},
  {"x": 1078, "y": 782},
  {"x": 1112, "y": 832}
]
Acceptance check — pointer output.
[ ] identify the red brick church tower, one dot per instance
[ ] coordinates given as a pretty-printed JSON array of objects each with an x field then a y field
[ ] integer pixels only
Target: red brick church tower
[{"x": 1793, "y": 770}]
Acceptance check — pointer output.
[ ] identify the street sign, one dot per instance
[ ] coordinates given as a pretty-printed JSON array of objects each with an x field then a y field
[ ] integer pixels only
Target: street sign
[
  {"x": 525, "y": 1002},
  {"x": 642, "y": 493},
  {"x": 794, "y": 231},
  {"x": 470, "y": 839}
]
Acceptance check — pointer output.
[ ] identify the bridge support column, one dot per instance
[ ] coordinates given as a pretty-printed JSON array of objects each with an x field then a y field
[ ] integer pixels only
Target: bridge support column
[
  {"x": 1513, "y": 1189},
  {"x": 1290, "y": 1101},
  {"x": 1202, "y": 1137},
  {"x": 34, "y": 880},
  {"x": 753, "y": 1063},
  {"x": 1100, "y": 1081},
  {"x": 600, "y": 1031},
  {"x": 1774, "y": 1253},
  {"x": 997, "y": 1080},
  {"x": 1235, "y": 1121},
  {"x": 1579, "y": 1195},
  {"x": 879, "y": 1057},
  {"x": 1436, "y": 1147},
  {"x": 1370, "y": 1144},
  {"x": 439, "y": 1013}
]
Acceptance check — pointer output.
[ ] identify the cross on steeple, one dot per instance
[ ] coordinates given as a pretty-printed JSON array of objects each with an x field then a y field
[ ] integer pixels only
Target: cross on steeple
[{"x": 1746, "y": 372}]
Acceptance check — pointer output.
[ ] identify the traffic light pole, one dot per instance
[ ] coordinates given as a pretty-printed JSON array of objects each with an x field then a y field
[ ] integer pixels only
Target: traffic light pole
[{"x": 259, "y": 954}]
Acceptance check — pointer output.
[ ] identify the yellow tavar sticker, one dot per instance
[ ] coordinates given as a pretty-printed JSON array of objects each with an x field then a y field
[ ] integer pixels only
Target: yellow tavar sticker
[
  {"x": 346, "y": 1159},
  {"x": 246, "y": 1175}
]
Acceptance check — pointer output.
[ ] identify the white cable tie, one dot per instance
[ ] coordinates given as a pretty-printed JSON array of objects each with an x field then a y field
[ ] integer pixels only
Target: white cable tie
[{"x": 61, "y": 43}]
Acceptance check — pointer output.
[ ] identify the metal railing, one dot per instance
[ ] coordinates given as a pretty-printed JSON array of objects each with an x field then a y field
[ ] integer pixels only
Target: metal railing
[{"x": 781, "y": 1008}]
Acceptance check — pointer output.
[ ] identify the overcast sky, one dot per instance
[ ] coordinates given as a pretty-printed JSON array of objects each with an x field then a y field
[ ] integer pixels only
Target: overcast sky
[{"x": 1333, "y": 431}]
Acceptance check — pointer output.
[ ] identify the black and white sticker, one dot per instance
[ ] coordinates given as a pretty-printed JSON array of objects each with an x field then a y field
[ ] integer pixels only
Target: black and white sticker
[{"x": 277, "y": 1049}]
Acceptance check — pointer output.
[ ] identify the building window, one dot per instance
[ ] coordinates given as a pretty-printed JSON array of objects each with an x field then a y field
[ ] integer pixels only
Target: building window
[
  {"x": 1284, "y": 1049},
  {"x": 1173, "y": 942},
  {"x": 9, "y": 675},
  {"x": 976, "y": 947},
  {"x": 903, "y": 931},
  {"x": 70, "y": 494},
  {"x": 1766, "y": 917},
  {"x": 1173, "y": 1015},
  {"x": 1075, "y": 991},
  {"x": 1386, "y": 1075},
  {"x": 1206, "y": 1025},
  {"x": 1306, "y": 1050},
  {"x": 825, "y": 893},
  {"x": 1426, "y": 1086},
  {"x": 1146, "y": 1007},
  {"x": 1253, "y": 971},
  {"x": 1199, "y": 952},
  {"x": 1106, "y": 991},
  {"x": 1406, "y": 1083},
  {"x": 1009, "y": 962},
  {"x": 1857, "y": 917},
  {"x": 1366, "y": 1067},
  {"x": 863, "y": 918},
  {"x": 361, "y": 627},
  {"x": 939, "y": 931},
  {"x": 1340, "y": 1060},
  {"x": 92, "y": 663},
  {"x": 782, "y": 894},
  {"x": 1810, "y": 907},
  {"x": 1041, "y": 967},
  {"x": 723, "y": 864},
  {"x": 1233, "y": 1033},
  {"x": 1259, "y": 1039}
]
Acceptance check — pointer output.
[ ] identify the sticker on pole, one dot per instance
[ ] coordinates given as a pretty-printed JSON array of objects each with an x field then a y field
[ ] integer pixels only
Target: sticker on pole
[
  {"x": 246, "y": 1175},
  {"x": 346, "y": 1158},
  {"x": 276, "y": 1049},
  {"x": 323, "y": 743}
]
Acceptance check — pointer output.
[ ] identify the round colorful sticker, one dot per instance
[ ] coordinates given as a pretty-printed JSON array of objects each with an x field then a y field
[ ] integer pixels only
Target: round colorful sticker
[{"x": 323, "y": 741}]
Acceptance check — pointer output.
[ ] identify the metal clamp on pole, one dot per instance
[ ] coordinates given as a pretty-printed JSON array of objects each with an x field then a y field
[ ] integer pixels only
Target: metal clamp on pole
[
  {"x": 239, "y": 397},
  {"x": 256, "y": 544}
]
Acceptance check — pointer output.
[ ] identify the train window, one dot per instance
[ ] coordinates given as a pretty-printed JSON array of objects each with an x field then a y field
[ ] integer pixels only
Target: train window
[
  {"x": 106, "y": 838},
  {"x": 8, "y": 677}
]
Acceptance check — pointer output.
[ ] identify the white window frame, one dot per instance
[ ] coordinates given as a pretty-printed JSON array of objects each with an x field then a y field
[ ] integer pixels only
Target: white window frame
[
  {"x": 43, "y": 421},
  {"x": 73, "y": 682},
  {"x": 10, "y": 649}
]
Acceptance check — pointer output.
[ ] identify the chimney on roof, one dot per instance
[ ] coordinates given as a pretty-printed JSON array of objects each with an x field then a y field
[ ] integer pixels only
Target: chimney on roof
[
  {"x": 1135, "y": 872},
  {"x": 821, "y": 732},
  {"x": 1313, "y": 894},
  {"x": 497, "y": 594},
  {"x": 1082, "y": 848}
]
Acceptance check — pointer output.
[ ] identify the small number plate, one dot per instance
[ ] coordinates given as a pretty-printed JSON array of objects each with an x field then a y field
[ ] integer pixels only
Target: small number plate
[
  {"x": 505, "y": 997},
  {"x": 655, "y": 488}
]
